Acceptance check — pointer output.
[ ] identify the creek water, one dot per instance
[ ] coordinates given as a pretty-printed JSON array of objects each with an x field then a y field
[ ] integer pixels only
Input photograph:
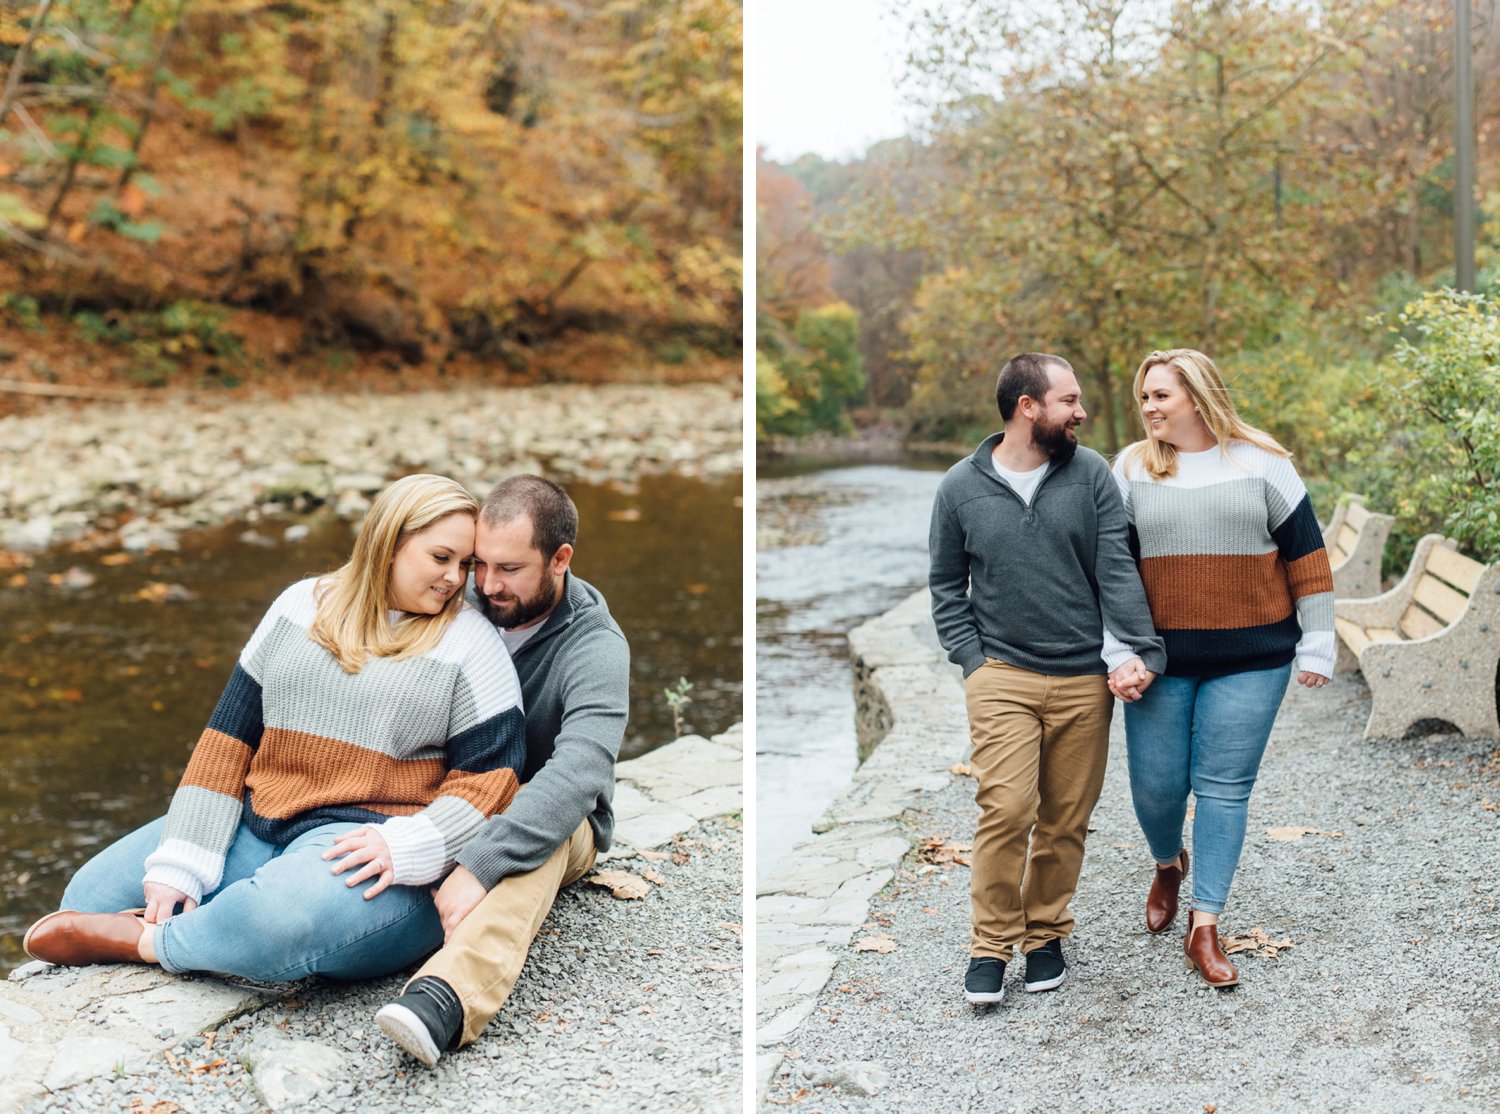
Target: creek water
[
  {"x": 104, "y": 690},
  {"x": 837, "y": 546}
]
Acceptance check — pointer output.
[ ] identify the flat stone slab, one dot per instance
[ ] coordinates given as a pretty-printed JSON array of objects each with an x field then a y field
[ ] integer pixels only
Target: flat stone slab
[{"x": 60, "y": 1026}]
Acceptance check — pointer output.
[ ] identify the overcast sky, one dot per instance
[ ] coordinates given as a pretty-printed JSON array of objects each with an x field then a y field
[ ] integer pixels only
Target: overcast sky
[{"x": 825, "y": 77}]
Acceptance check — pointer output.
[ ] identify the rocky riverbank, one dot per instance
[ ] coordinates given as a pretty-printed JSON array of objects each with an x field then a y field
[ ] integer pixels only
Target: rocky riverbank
[
  {"x": 138, "y": 475},
  {"x": 627, "y": 1004},
  {"x": 1365, "y": 902}
]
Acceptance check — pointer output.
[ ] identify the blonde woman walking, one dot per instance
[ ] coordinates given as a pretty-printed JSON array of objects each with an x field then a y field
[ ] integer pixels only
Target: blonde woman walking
[
  {"x": 1239, "y": 587},
  {"x": 372, "y": 724}
]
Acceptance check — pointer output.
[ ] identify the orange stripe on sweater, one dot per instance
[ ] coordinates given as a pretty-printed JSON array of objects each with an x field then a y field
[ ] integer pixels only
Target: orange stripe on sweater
[
  {"x": 1216, "y": 591},
  {"x": 1310, "y": 574},
  {"x": 295, "y": 771},
  {"x": 218, "y": 764}
]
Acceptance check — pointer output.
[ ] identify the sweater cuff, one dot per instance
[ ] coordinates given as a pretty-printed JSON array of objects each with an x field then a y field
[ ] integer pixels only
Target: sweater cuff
[
  {"x": 178, "y": 878},
  {"x": 969, "y": 658},
  {"x": 417, "y": 849}
]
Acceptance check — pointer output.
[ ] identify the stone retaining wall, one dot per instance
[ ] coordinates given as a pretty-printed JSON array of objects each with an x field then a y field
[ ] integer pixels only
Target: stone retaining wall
[{"x": 911, "y": 721}]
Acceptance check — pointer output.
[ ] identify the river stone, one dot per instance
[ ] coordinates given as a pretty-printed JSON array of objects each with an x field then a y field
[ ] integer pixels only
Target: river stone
[
  {"x": 857, "y": 1077},
  {"x": 289, "y": 1072},
  {"x": 78, "y": 1058}
]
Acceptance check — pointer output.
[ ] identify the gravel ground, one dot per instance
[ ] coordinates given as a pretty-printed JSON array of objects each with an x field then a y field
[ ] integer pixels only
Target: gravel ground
[
  {"x": 1386, "y": 1000},
  {"x": 622, "y": 1005}
]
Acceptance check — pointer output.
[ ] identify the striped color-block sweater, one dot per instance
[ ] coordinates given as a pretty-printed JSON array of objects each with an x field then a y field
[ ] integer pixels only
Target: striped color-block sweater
[
  {"x": 1232, "y": 560},
  {"x": 426, "y": 747}
]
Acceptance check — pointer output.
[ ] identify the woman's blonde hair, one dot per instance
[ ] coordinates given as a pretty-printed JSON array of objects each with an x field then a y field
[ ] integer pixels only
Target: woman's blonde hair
[
  {"x": 351, "y": 621},
  {"x": 1205, "y": 388}
]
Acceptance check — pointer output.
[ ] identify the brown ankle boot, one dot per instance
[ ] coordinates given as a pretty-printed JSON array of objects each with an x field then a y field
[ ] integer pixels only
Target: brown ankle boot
[
  {"x": 1161, "y": 902},
  {"x": 78, "y": 939},
  {"x": 1206, "y": 956}
]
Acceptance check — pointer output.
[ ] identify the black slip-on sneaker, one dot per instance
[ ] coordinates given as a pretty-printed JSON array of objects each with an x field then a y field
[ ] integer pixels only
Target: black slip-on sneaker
[
  {"x": 1045, "y": 967},
  {"x": 984, "y": 982}
]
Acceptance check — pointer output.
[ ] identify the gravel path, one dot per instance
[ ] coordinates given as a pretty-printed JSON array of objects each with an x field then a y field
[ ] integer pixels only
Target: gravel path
[
  {"x": 1386, "y": 1000},
  {"x": 622, "y": 1005}
]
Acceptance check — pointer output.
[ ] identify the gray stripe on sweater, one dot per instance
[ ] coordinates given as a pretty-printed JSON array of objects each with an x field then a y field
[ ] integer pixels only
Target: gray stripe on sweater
[
  {"x": 398, "y": 708},
  {"x": 204, "y": 818},
  {"x": 1315, "y": 612},
  {"x": 1223, "y": 519},
  {"x": 457, "y": 820}
]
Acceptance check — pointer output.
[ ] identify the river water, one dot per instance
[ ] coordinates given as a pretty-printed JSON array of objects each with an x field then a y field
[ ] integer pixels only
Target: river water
[
  {"x": 104, "y": 688},
  {"x": 837, "y": 546}
]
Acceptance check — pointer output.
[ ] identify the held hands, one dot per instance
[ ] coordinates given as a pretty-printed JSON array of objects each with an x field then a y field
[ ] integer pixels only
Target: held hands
[
  {"x": 367, "y": 846},
  {"x": 161, "y": 902},
  {"x": 456, "y": 898},
  {"x": 1131, "y": 680},
  {"x": 1311, "y": 680}
]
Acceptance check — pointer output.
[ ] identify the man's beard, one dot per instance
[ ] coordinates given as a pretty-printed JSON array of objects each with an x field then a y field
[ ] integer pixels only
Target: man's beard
[
  {"x": 517, "y": 613},
  {"x": 1054, "y": 441}
]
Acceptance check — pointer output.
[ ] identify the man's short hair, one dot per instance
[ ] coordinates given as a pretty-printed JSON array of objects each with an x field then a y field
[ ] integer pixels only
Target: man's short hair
[
  {"x": 554, "y": 518},
  {"x": 1026, "y": 374}
]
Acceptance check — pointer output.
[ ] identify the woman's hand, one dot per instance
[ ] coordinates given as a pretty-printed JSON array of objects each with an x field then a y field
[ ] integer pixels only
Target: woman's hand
[
  {"x": 1311, "y": 680},
  {"x": 161, "y": 902},
  {"x": 367, "y": 846}
]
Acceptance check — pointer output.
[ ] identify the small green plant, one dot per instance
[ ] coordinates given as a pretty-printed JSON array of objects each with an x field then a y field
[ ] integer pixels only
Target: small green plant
[
  {"x": 678, "y": 699},
  {"x": 23, "y": 310}
]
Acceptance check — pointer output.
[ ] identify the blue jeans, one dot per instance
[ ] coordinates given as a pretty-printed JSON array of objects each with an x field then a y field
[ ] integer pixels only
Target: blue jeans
[
  {"x": 1204, "y": 734},
  {"x": 279, "y": 913}
]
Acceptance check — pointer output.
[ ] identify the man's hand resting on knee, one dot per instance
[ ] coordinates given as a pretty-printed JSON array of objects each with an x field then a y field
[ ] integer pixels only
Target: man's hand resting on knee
[{"x": 456, "y": 898}]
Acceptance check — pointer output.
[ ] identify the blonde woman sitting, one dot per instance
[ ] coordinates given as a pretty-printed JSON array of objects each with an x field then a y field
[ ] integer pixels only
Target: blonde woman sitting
[{"x": 371, "y": 726}]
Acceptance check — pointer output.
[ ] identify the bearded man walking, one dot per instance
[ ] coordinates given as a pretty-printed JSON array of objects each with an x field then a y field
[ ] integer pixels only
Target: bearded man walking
[{"x": 1029, "y": 563}]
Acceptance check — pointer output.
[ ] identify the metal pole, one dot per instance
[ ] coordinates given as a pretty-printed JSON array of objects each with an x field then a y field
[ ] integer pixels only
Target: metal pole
[{"x": 1463, "y": 171}]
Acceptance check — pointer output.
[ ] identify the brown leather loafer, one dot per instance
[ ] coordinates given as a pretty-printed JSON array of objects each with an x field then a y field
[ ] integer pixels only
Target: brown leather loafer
[
  {"x": 1161, "y": 902},
  {"x": 1206, "y": 956},
  {"x": 79, "y": 939}
]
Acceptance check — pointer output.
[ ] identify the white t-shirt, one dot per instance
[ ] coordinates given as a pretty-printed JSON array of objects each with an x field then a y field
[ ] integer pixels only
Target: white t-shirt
[
  {"x": 515, "y": 639},
  {"x": 1023, "y": 483}
]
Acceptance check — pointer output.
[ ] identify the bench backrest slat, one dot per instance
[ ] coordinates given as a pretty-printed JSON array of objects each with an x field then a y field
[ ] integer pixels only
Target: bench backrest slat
[
  {"x": 1438, "y": 598},
  {"x": 1449, "y": 564},
  {"x": 1417, "y": 623},
  {"x": 1356, "y": 516},
  {"x": 1348, "y": 538}
]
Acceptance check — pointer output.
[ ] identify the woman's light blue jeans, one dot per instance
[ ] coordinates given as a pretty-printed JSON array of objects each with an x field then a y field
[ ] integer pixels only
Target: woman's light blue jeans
[
  {"x": 1207, "y": 735},
  {"x": 278, "y": 915}
]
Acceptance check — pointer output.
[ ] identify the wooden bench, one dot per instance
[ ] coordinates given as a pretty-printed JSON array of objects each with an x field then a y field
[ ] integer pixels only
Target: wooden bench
[
  {"x": 1428, "y": 648},
  {"x": 1355, "y": 539}
]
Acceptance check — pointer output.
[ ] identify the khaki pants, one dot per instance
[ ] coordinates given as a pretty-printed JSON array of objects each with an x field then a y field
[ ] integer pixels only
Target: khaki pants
[
  {"x": 1040, "y": 747},
  {"x": 482, "y": 957}
]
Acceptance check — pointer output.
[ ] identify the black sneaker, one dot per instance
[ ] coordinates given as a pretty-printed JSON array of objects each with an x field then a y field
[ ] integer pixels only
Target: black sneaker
[
  {"x": 984, "y": 983},
  {"x": 425, "y": 1020},
  {"x": 1045, "y": 969}
]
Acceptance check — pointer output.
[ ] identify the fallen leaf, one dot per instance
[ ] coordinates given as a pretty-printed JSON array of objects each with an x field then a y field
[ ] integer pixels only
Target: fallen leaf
[
  {"x": 881, "y": 944},
  {"x": 625, "y": 514},
  {"x": 940, "y": 849},
  {"x": 17, "y": 581},
  {"x": 71, "y": 696},
  {"x": 1293, "y": 833},
  {"x": 212, "y": 1065},
  {"x": 960, "y": 770},
  {"x": 651, "y": 876},
  {"x": 1288, "y": 834},
  {"x": 681, "y": 858},
  {"x": 116, "y": 559},
  {"x": 157, "y": 592},
  {"x": 696, "y": 589},
  {"x": 929, "y": 909},
  {"x": 1255, "y": 942},
  {"x": 621, "y": 884},
  {"x": 653, "y": 855},
  {"x": 1489, "y": 806},
  {"x": 733, "y": 927}
]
